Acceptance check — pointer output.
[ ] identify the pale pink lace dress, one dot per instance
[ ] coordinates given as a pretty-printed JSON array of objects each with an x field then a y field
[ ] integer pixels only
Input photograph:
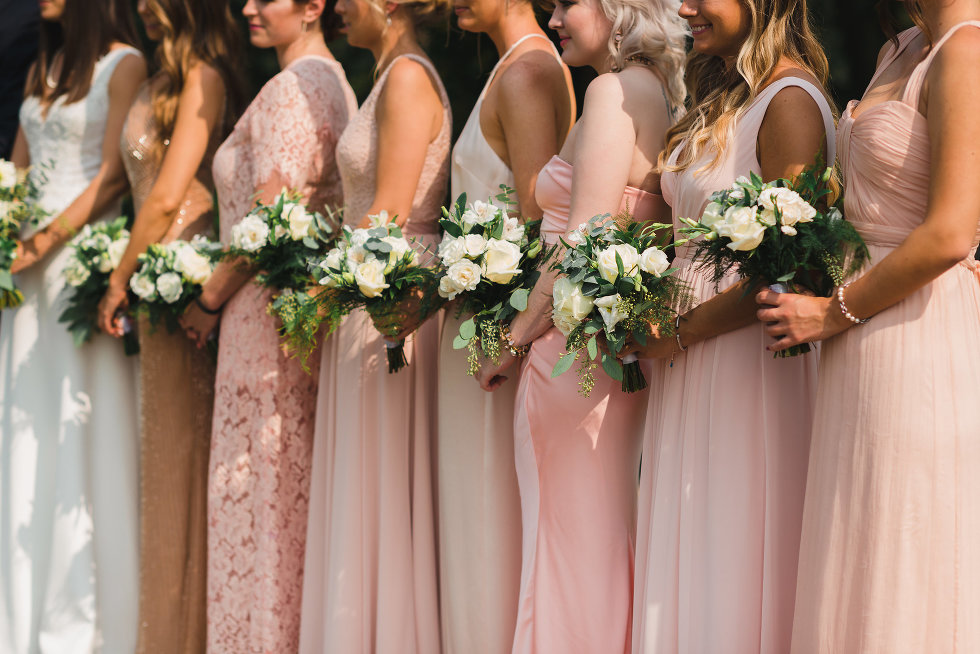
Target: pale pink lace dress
[
  {"x": 262, "y": 441},
  {"x": 371, "y": 583},
  {"x": 890, "y": 558}
]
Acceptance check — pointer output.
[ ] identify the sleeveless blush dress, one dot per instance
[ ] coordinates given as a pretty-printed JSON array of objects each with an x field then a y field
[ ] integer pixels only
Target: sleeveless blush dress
[
  {"x": 479, "y": 504},
  {"x": 371, "y": 581},
  {"x": 890, "y": 556},
  {"x": 577, "y": 466},
  {"x": 724, "y": 456}
]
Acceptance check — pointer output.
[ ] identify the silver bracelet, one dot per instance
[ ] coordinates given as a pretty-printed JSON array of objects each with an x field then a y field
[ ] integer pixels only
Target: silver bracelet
[
  {"x": 677, "y": 333},
  {"x": 843, "y": 307}
]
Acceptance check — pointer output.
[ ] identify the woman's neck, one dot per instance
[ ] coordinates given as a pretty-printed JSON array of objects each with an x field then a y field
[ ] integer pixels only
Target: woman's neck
[
  {"x": 308, "y": 43},
  {"x": 939, "y": 17},
  {"x": 397, "y": 40},
  {"x": 517, "y": 23}
]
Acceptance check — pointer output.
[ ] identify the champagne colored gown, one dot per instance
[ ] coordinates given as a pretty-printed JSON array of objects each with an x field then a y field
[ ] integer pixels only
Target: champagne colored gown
[
  {"x": 371, "y": 580},
  {"x": 479, "y": 504},
  {"x": 890, "y": 556},
  {"x": 724, "y": 457},
  {"x": 577, "y": 466},
  {"x": 69, "y": 429},
  {"x": 262, "y": 440}
]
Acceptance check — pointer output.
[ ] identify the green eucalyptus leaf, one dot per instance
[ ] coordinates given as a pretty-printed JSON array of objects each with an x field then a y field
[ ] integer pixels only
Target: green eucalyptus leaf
[{"x": 563, "y": 364}]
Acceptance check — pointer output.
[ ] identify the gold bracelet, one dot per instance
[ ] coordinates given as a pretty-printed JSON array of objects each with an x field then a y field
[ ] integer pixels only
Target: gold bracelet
[{"x": 507, "y": 339}]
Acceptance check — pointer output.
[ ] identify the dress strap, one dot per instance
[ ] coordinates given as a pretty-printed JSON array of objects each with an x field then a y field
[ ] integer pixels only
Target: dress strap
[
  {"x": 503, "y": 58},
  {"x": 904, "y": 38},
  {"x": 428, "y": 66},
  {"x": 913, "y": 88},
  {"x": 830, "y": 127}
]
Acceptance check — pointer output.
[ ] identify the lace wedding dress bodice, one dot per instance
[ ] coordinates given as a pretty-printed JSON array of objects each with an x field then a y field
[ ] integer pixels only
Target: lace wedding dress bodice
[{"x": 65, "y": 140}]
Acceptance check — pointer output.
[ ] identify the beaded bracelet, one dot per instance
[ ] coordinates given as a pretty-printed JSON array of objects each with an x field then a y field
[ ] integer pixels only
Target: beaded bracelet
[
  {"x": 515, "y": 350},
  {"x": 843, "y": 307}
]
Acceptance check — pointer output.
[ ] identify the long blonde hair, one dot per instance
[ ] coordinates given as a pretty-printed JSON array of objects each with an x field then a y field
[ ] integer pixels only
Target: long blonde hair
[
  {"x": 650, "y": 29},
  {"x": 718, "y": 94}
]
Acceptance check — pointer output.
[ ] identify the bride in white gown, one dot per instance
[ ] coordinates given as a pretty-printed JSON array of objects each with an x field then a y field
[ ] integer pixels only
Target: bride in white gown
[{"x": 68, "y": 422}]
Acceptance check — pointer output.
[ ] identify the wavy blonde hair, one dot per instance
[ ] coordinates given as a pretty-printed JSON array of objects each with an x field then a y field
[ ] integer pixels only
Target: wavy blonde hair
[
  {"x": 718, "y": 95},
  {"x": 653, "y": 30}
]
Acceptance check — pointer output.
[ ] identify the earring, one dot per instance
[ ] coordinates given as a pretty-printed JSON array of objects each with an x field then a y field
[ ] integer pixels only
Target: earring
[
  {"x": 618, "y": 38},
  {"x": 302, "y": 27},
  {"x": 388, "y": 20}
]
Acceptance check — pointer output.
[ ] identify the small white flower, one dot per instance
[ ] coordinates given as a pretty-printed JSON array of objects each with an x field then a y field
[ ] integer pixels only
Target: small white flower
[
  {"x": 250, "y": 234},
  {"x": 8, "y": 174},
  {"x": 654, "y": 261},
  {"x": 501, "y": 261},
  {"x": 570, "y": 307},
  {"x": 464, "y": 275},
  {"x": 370, "y": 278},
  {"x": 513, "y": 230},
  {"x": 447, "y": 288},
  {"x": 606, "y": 261},
  {"x": 712, "y": 214},
  {"x": 609, "y": 310},
  {"x": 299, "y": 220},
  {"x": 170, "y": 286},
  {"x": 475, "y": 245},
  {"x": 143, "y": 286},
  {"x": 452, "y": 250},
  {"x": 478, "y": 213}
]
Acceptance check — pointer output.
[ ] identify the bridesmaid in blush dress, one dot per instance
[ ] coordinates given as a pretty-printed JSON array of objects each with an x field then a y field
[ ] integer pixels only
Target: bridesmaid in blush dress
[
  {"x": 724, "y": 454},
  {"x": 168, "y": 163},
  {"x": 890, "y": 558},
  {"x": 578, "y": 458},
  {"x": 519, "y": 121},
  {"x": 371, "y": 583},
  {"x": 262, "y": 439}
]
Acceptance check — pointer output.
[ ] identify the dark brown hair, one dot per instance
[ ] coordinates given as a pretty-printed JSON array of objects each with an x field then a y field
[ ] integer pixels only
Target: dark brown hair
[
  {"x": 891, "y": 24},
  {"x": 83, "y": 35}
]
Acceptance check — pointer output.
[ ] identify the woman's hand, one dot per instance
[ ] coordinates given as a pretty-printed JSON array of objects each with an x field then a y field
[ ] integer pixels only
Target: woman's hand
[
  {"x": 792, "y": 319},
  {"x": 490, "y": 375},
  {"x": 24, "y": 259},
  {"x": 112, "y": 303},
  {"x": 401, "y": 319},
  {"x": 198, "y": 324},
  {"x": 657, "y": 345}
]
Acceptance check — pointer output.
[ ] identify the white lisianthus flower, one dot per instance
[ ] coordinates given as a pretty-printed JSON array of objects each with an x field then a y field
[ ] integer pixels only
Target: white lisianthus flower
[
  {"x": 356, "y": 256},
  {"x": 250, "y": 234},
  {"x": 608, "y": 309},
  {"x": 740, "y": 225},
  {"x": 76, "y": 273},
  {"x": 452, "y": 250},
  {"x": 103, "y": 263},
  {"x": 143, "y": 286},
  {"x": 654, "y": 261},
  {"x": 712, "y": 214},
  {"x": 792, "y": 208},
  {"x": 378, "y": 219},
  {"x": 475, "y": 245},
  {"x": 606, "y": 261},
  {"x": 8, "y": 174},
  {"x": 575, "y": 238},
  {"x": 280, "y": 232},
  {"x": 170, "y": 286},
  {"x": 447, "y": 288},
  {"x": 399, "y": 246},
  {"x": 299, "y": 220},
  {"x": 501, "y": 260},
  {"x": 478, "y": 213},
  {"x": 194, "y": 266},
  {"x": 116, "y": 250},
  {"x": 570, "y": 306},
  {"x": 513, "y": 230},
  {"x": 464, "y": 274},
  {"x": 333, "y": 260},
  {"x": 370, "y": 278}
]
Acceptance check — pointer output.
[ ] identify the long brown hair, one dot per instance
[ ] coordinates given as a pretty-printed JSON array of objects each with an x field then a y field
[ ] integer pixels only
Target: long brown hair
[
  {"x": 83, "y": 35},
  {"x": 195, "y": 31},
  {"x": 718, "y": 94}
]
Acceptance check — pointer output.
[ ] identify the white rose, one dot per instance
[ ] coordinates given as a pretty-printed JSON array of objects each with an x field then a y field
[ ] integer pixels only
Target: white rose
[
  {"x": 103, "y": 263},
  {"x": 570, "y": 306},
  {"x": 465, "y": 275},
  {"x": 792, "y": 208},
  {"x": 299, "y": 220},
  {"x": 478, "y": 213},
  {"x": 143, "y": 286},
  {"x": 447, "y": 288},
  {"x": 608, "y": 309},
  {"x": 712, "y": 214},
  {"x": 250, "y": 234},
  {"x": 452, "y": 250},
  {"x": 740, "y": 225},
  {"x": 654, "y": 261},
  {"x": 513, "y": 230},
  {"x": 194, "y": 266},
  {"x": 475, "y": 245},
  {"x": 116, "y": 251},
  {"x": 607, "y": 261},
  {"x": 370, "y": 278},
  {"x": 399, "y": 246},
  {"x": 8, "y": 174},
  {"x": 334, "y": 259},
  {"x": 501, "y": 261},
  {"x": 170, "y": 286},
  {"x": 76, "y": 273}
]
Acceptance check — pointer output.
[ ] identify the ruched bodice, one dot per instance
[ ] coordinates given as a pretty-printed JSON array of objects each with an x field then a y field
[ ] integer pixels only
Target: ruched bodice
[{"x": 357, "y": 158}]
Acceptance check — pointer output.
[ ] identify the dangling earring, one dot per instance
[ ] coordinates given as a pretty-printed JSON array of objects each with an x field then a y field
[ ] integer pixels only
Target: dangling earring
[
  {"x": 302, "y": 27},
  {"x": 387, "y": 20},
  {"x": 618, "y": 39}
]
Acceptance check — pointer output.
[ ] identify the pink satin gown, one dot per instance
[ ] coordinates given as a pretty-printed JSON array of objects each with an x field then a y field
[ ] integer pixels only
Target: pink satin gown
[
  {"x": 371, "y": 583},
  {"x": 724, "y": 457},
  {"x": 262, "y": 442},
  {"x": 577, "y": 467},
  {"x": 890, "y": 558}
]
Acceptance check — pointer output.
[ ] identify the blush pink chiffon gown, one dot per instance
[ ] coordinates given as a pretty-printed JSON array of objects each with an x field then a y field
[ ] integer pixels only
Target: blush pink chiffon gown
[
  {"x": 890, "y": 558},
  {"x": 577, "y": 466},
  {"x": 724, "y": 457},
  {"x": 371, "y": 583},
  {"x": 262, "y": 440}
]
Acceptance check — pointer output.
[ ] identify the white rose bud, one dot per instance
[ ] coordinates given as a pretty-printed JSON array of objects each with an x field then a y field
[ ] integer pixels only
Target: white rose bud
[
  {"x": 570, "y": 306},
  {"x": 452, "y": 250},
  {"x": 501, "y": 261},
  {"x": 299, "y": 220},
  {"x": 608, "y": 309},
  {"x": 654, "y": 261},
  {"x": 143, "y": 287},
  {"x": 170, "y": 286},
  {"x": 370, "y": 278},
  {"x": 607, "y": 261},
  {"x": 251, "y": 234},
  {"x": 475, "y": 245},
  {"x": 194, "y": 266},
  {"x": 8, "y": 174}
]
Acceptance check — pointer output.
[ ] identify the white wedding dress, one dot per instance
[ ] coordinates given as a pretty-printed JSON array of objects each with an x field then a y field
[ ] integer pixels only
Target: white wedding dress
[{"x": 68, "y": 430}]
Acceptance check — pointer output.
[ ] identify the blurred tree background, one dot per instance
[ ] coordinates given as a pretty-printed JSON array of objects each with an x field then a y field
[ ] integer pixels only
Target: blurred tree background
[{"x": 848, "y": 30}]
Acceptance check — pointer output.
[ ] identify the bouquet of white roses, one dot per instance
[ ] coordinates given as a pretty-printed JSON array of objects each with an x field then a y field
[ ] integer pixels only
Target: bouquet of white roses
[
  {"x": 94, "y": 253},
  {"x": 171, "y": 276},
  {"x": 281, "y": 239},
  {"x": 780, "y": 233},
  {"x": 616, "y": 281},
  {"x": 373, "y": 268},
  {"x": 489, "y": 265},
  {"x": 18, "y": 207}
]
